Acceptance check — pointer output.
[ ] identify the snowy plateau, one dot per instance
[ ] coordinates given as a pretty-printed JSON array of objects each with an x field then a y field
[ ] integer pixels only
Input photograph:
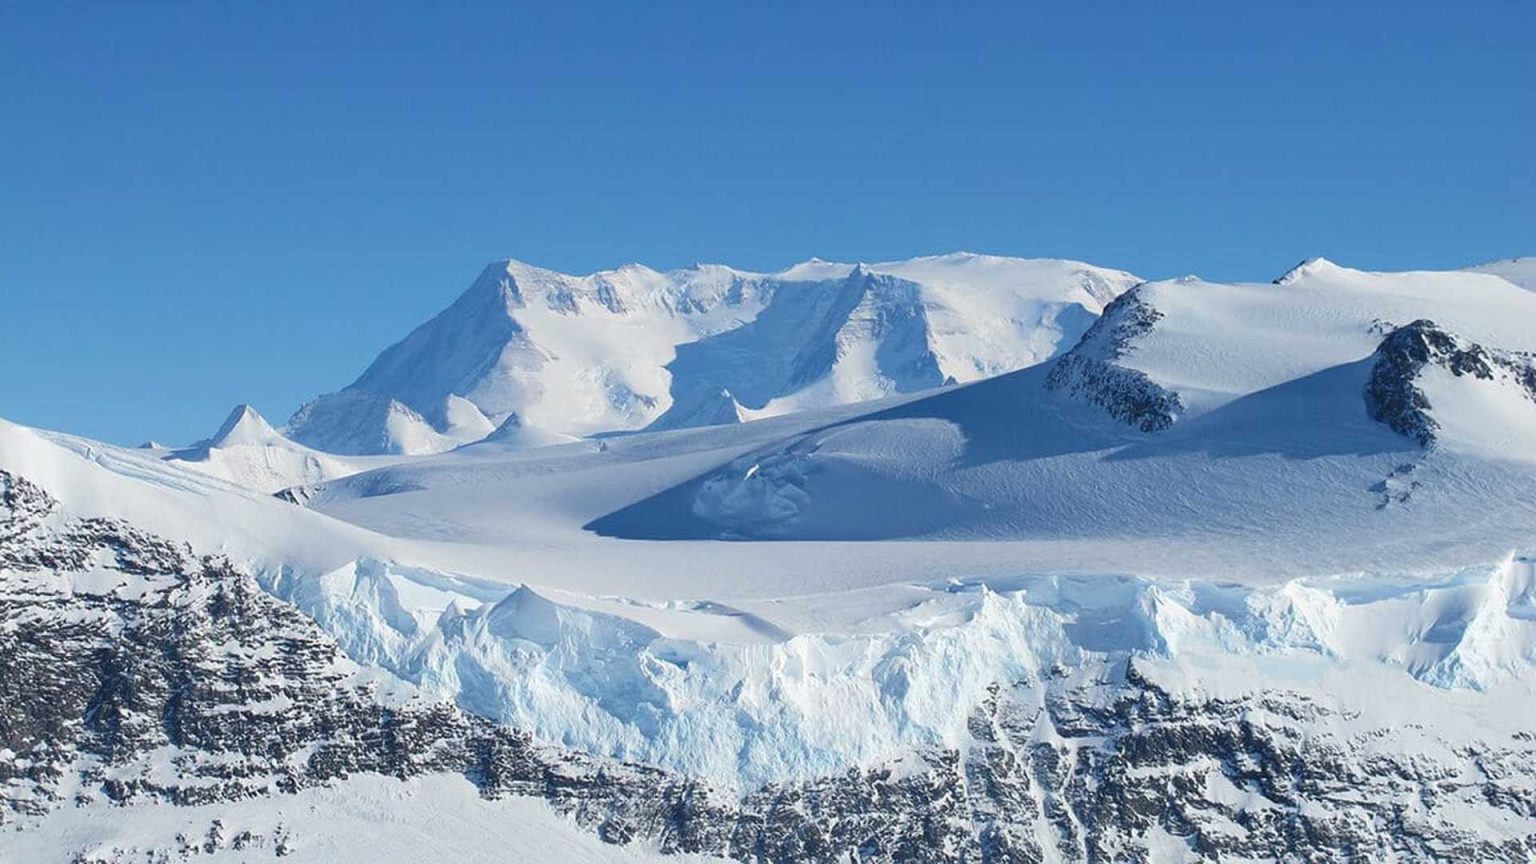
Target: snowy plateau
[{"x": 960, "y": 558}]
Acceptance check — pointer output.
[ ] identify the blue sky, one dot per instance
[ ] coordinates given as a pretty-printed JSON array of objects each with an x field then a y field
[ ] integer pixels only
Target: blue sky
[{"x": 204, "y": 204}]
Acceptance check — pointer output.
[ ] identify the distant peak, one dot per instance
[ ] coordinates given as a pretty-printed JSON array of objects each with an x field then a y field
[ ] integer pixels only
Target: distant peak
[
  {"x": 243, "y": 426},
  {"x": 1308, "y": 266},
  {"x": 815, "y": 268}
]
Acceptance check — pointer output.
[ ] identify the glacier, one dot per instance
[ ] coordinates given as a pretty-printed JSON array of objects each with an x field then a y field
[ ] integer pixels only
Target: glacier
[
  {"x": 1177, "y": 568},
  {"x": 791, "y": 708}
]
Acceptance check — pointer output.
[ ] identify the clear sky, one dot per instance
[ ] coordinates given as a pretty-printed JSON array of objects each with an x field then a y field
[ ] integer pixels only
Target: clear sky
[{"x": 210, "y": 203}]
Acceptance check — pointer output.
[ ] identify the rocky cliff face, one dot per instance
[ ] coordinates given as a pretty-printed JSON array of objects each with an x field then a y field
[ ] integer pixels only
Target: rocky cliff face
[{"x": 136, "y": 670}]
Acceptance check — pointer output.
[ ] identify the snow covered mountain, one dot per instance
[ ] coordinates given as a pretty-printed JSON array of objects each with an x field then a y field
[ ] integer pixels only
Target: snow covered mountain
[
  {"x": 570, "y": 356},
  {"x": 1238, "y": 572},
  {"x": 163, "y": 705},
  {"x": 1237, "y": 416},
  {"x": 249, "y": 453}
]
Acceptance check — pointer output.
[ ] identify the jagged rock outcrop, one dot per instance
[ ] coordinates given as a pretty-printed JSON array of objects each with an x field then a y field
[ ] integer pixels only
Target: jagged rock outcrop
[
  {"x": 1393, "y": 395},
  {"x": 1090, "y": 371},
  {"x": 136, "y": 670}
]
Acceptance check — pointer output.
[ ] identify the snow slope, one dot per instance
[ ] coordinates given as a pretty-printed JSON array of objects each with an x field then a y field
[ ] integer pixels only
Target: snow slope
[
  {"x": 1520, "y": 271},
  {"x": 633, "y": 347},
  {"x": 983, "y": 533},
  {"x": 801, "y": 677},
  {"x": 365, "y": 819},
  {"x": 1213, "y": 343},
  {"x": 172, "y": 500},
  {"x": 1204, "y": 485},
  {"x": 1234, "y": 416},
  {"x": 1171, "y": 723}
]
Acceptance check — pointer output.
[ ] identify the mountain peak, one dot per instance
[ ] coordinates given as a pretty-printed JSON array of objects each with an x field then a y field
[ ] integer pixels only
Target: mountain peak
[
  {"x": 1307, "y": 267},
  {"x": 243, "y": 426}
]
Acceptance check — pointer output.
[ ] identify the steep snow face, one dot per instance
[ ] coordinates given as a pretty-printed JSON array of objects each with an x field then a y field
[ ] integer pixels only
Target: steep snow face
[
  {"x": 889, "y": 328},
  {"x": 243, "y": 426},
  {"x": 356, "y": 422},
  {"x": 629, "y": 348}
]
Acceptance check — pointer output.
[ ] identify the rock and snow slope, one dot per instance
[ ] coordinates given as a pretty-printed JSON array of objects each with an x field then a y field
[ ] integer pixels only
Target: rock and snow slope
[
  {"x": 1247, "y": 418},
  {"x": 624, "y": 349},
  {"x": 1244, "y": 573},
  {"x": 1270, "y": 461},
  {"x": 1128, "y": 722}
]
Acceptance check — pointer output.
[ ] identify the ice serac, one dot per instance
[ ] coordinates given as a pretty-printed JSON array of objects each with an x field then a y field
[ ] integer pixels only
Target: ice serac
[{"x": 626, "y": 349}]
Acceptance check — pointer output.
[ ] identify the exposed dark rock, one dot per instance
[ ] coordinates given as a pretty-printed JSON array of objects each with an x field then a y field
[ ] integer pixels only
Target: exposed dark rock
[
  {"x": 1393, "y": 395},
  {"x": 135, "y": 670},
  {"x": 1090, "y": 371}
]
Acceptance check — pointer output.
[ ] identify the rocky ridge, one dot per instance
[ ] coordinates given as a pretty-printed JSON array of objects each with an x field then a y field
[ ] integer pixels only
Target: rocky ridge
[
  {"x": 1393, "y": 395},
  {"x": 1090, "y": 372}
]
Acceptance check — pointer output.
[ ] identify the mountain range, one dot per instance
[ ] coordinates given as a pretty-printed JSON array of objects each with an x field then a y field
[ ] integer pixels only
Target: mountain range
[
  {"x": 954, "y": 559},
  {"x": 564, "y": 356}
]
